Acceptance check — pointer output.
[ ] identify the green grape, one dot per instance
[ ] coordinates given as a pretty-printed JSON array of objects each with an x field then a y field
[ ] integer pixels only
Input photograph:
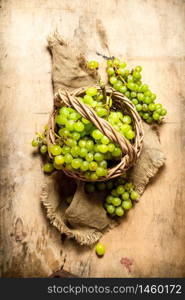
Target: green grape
[
  {"x": 100, "y": 249},
  {"x": 89, "y": 157},
  {"x": 58, "y": 167},
  {"x": 158, "y": 105},
  {"x": 97, "y": 134},
  {"x": 55, "y": 150},
  {"x": 48, "y": 168},
  {"x": 127, "y": 119},
  {"x": 87, "y": 175},
  {"x": 110, "y": 209},
  {"x": 127, "y": 94},
  {"x": 71, "y": 142},
  {"x": 151, "y": 106},
  {"x": 63, "y": 132},
  {"x": 145, "y": 116},
  {"x": 91, "y": 91},
  {"x": 144, "y": 88},
  {"x": 131, "y": 86},
  {"x": 116, "y": 201},
  {"x": 82, "y": 143},
  {"x": 103, "y": 148},
  {"x": 136, "y": 75},
  {"x": 145, "y": 107},
  {"x": 148, "y": 93},
  {"x": 125, "y": 128},
  {"x": 133, "y": 94},
  {"x": 126, "y": 73},
  {"x": 111, "y": 147},
  {"x": 83, "y": 152},
  {"x": 103, "y": 164},
  {"x": 149, "y": 120},
  {"x": 84, "y": 166},
  {"x": 92, "y": 64},
  {"x": 70, "y": 125},
  {"x": 138, "y": 107},
  {"x": 101, "y": 186},
  {"x": 101, "y": 172},
  {"x": 101, "y": 112},
  {"x": 76, "y": 163},
  {"x": 59, "y": 160},
  {"x": 120, "y": 189},
  {"x": 123, "y": 65},
  {"x": 109, "y": 185},
  {"x": 66, "y": 149},
  {"x": 105, "y": 140},
  {"x": 127, "y": 204},
  {"x": 122, "y": 89},
  {"x": 163, "y": 112},
  {"x": 79, "y": 126},
  {"x": 121, "y": 71},
  {"x": 89, "y": 145},
  {"x": 140, "y": 96},
  {"x": 117, "y": 152},
  {"x": 117, "y": 85},
  {"x": 125, "y": 196},
  {"x": 134, "y": 195},
  {"x": 147, "y": 100},
  {"x": 110, "y": 71},
  {"x": 134, "y": 101},
  {"x": 109, "y": 199},
  {"x": 130, "y": 134},
  {"x": 113, "y": 80},
  {"x": 89, "y": 187},
  {"x": 130, "y": 78},
  {"x": 93, "y": 176},
  {"x": 43, "y": 149},
  {"x": 64, "y": 111},
  {"x": 119, "y": 211},
  {"x": 75, "y": 136},
  {"x": 153, "y": 97},
  {"x": 61, "y": 120},
  {"x": 35, "y": 143},
  {"x": 68, "y": 158},
  {"x": 138, "y": 68},
  {"x": 74, "y": 116},
  {"x": 93, "y": 166},
  {"x": 155, "y": 116},
  {"x": 109, "y": 62},
  {"x": 116, "y": 61}
]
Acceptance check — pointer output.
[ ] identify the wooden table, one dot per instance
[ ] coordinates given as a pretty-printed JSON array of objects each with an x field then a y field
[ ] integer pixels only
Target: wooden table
[{"x": 151, "y": 240}]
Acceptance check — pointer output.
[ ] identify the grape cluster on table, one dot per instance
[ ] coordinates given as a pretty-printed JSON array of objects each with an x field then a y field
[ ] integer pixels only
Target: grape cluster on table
[
  {"x": 82, "y": 148},
  {"x": 119, "y": 194}
]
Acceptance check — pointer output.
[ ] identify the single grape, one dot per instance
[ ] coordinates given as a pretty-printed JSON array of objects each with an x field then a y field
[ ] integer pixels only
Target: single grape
[
  {"x": 136, "y": 75},
  {"x": 127, "y": 204},
  {"x": 138, "y": 68},
  {"x": 58, "y": 167},
  {"x": 35, "y": 143},
  {"x": 145, "y": 107},
  {"x": 123, "y": 65},
  {"x": 127, "y": 119},
  {"x": 101, "y": 172},
  {"x": 138, "y": 107},
  {"x": 76, "y": 163},
  {"x": 110, "y": 71},
  {"x": 79, "y": 126},
  {"x": 116, "y": 201},
  {"x": 91, "y": 91},
  {"x": 119, "y": 211},
  {"x": 111, "y": 147},
  {"x": 71, "y": 142},
  {"x": 117, "y": 152},
  {"x": 103, "y": 148},
  {"x": 134, "y": 195},
  {"x": 133, "y": 94},
  {"x": 113, "y": 80},
  {"x": 63, "y": 132},
  {"x": 83, "y": 152},
  {"x": 145, "y": 116},
  {"x": 89, "y": 157},
  {"x": 93, "y": 176},
  {"x": 122, "y": 89},
  {"x": 163, "y": 112},
  {"x": 144, "y": 88},
  {"x": 48, "y": 168},
  {"x": 127, "y": 94},
  {"x": 84, "y": 166},
  {"x": 148, "y": 93},
  {"x": 125, "y": 196},
  {"x": 130, "y": 134},
  {"x": 114, "y": 193},
  {"x": 97, "y": 134},
  {"x": 68, "y": 158},
  {"x": 131, "y": 86},
  {"x": 66, "y": 149},
  {"x": 93, "y": 166},
  {"x": 151, "y": 106},
  {"x": 153, "y": 97},
  {"x": 55, "y": 150},
  {"x": 74, "y": 116},
  {"x": 64, "y": 111},
  {"x": 140, "y": 96},
  {"x": 98, "y": 156},
  {"x": 120, "y": 189},
  {"x": 93, "y": 64},
  {"x": 103, "y": 164},
  {"x": 61, "y": 120},
  {"x": 100, "y": 249},
  {"x": 134, "y": 101},
  {"x": 109, "y": 199},
  {"x": 101, "y": 112},
  {"x": 110, "y": 209},
  {"x": 59, "y": 160},
  {"x": 155, "y": 116}
]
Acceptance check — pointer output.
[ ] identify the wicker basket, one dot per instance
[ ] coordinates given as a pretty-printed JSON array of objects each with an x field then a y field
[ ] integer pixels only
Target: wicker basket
[{"x": 131, "y": 151}]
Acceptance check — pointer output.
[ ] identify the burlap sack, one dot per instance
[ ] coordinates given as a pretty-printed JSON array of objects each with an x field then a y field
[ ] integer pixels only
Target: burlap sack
[{"x": 85, "y": 218}]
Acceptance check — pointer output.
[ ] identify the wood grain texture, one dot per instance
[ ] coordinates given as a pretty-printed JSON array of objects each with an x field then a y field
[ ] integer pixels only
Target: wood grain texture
[{"x": 151, "y": 239}]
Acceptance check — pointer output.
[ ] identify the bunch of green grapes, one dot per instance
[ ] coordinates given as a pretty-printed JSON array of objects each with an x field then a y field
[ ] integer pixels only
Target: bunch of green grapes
[
  {"x": 80, "y": 147},
  {"x": 119, "y": 195},
  {"x": 129, "y": 83}
]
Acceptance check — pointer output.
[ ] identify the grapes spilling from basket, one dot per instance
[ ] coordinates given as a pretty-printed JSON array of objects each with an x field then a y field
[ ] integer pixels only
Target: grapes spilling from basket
[
  {"x": 79, "y": 146},
  {"x": 129, "y": 83},
  {"x": 119, "y": 195}
]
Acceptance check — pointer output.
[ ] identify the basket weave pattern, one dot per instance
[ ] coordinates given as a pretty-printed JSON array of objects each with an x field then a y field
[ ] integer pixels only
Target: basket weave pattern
[{"x": 130, "y": 152}]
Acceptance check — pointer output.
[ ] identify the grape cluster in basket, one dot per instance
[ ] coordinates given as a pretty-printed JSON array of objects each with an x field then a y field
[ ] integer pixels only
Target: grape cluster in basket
[
  {"x": 80, "y": 147},
  {"x": 119, "y": 195}
]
